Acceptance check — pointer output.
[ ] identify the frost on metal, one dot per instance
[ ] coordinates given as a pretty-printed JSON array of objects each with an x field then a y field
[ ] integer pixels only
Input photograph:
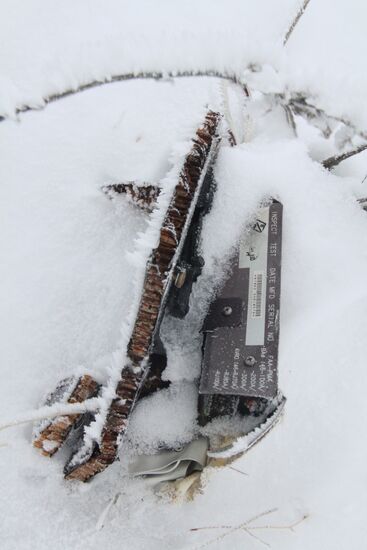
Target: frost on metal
[
  {"x": 49, "y": 435},
  {"x": 143, "y": 195},
  {"x": 86, "y": 462}
]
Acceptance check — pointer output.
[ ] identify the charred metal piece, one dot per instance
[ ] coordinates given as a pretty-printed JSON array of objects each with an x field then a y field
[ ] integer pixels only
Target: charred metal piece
[
  {"x": 191, "y": 262},
  {"x": 239, "y": 369},
  {"x": 87, "y": 461},
  {"x": 241, "y": 348},
  {"x": 50, "y": 435},
  {"x": 143, "y": 195}
]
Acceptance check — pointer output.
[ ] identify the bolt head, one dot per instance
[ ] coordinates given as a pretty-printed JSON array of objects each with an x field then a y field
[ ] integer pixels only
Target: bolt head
[
  {"x": 180, "y": 278},
  {"x": 250, "y": 361}
]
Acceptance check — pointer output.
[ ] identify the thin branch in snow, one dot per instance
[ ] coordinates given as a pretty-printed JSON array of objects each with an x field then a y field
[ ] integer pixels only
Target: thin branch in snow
[
  {"x": 256, "y": 537},
  {"x": 246, "y": 526},
  {"x": 289, "y": 527},
  {"x": 299, "y": 14},
  {"x": 102, "y": 518},
  {"x": 290, "y": 118},
  {"x": 300, "y": 105},
  {"x": 363, "y": 202},
  {"x": 337, "y": 159},
  {"x": 90, "y": 405},
  {"x": 130, "y": 76},
  {"x": 206, "y": 528},
  {"x": 237, "y": 470}
]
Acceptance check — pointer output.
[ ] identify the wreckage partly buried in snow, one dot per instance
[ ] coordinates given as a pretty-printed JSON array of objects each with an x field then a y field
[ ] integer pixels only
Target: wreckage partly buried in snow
[
  {"x": 239, "y": 375},
  {"x": 240, "y": 347}
]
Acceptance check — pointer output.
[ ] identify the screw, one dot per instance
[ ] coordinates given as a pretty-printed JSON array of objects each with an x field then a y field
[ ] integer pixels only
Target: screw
[
  {"x": 180, "y": 278},
  {"x": 227, "y": 311},
  {"x": 250, "y": 361}
]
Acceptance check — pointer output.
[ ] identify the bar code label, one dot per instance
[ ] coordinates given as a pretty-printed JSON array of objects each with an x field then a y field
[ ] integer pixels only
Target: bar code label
[{"x": 257, "y": 294}]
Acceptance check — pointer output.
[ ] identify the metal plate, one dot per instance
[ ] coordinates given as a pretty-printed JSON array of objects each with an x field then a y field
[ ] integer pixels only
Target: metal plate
[
  {"x": 224, "y": 312},
  {"x": 242, "y": 358}
]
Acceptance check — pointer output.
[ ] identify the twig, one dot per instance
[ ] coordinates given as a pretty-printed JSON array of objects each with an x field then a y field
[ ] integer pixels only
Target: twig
[
  {"x": 103, "y": 516},
  {"x": 53, "y": 411},
  {"x": 237, "y": 470},
  {"x": 231, "y": 530},
  {"x": 337, "y": 159},
  {"x": 256, "y": 537},
  {"x": 299, "y": 14},
  {"x": 290, "y": 118},
  {"x": 289, "y": 527},
  {"x": 297, "y": 104},
  {"x": 246, "y": 526},
  {"x": 129, "y": 76},
  {"x": 300, "y": 105},
  {"x": 281, "y": 527},
  {"x": 206, "y": 528},
  {"x": 363, "y": 201}
]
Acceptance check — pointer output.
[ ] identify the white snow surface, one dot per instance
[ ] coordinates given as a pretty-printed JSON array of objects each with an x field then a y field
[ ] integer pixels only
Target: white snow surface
[{"x": 72, "y": 261}]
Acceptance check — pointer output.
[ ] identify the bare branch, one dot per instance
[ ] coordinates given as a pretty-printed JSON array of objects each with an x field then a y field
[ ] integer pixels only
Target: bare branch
[
  {"x": 299, "y": 14},
  {"x": 238, "y": 470},
  {"x": 290, "y": 118},
  {"x": 256, "y": 537},
  {"x": 244, "y": 525},
  {"x": 130, "y": 76},
  {"x": 300, "y": 105},
  {"x": 330, "y": 162},
  {"x": 248, "y": 528},
  {"x": 363, "y": 202},
  {"x": 289, "y": 527}
]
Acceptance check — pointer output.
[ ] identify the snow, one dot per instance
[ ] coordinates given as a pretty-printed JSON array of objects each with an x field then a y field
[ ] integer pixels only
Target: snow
[
  {"x": 330, "y": 63},
  {"x": 69, "y": 45},
  {"x": 73, "y": 260},
  {"x": 178, "y": 404}
]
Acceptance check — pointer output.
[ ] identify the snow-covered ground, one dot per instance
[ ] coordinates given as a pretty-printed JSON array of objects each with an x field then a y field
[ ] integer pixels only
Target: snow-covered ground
[{"x": 72, "y": 260}]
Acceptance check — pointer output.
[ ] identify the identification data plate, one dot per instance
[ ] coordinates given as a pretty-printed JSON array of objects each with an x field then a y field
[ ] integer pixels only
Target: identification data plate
[{"x": 242, "y": 326}]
